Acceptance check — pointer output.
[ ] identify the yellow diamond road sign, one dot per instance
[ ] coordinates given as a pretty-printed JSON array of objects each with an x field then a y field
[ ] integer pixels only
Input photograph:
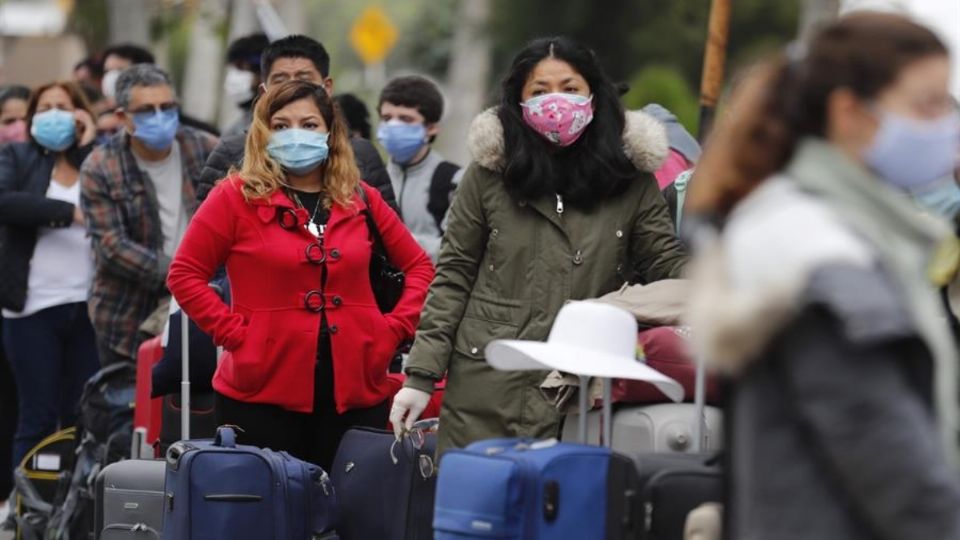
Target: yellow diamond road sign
[{"x": 373, "y": 35}]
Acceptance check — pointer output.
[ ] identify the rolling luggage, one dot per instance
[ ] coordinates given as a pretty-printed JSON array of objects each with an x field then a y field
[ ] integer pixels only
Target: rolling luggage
[
  {"x": 130, "y": 494},
  {"x": 219, "y": 489},
  {"x": 386, "y": 489},
  {"x": 665, "y": 427},
  {"x": 130, "y": 500}
]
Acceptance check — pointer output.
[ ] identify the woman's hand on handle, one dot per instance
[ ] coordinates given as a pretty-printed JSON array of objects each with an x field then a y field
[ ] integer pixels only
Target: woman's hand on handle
[{"x": 408, "y": 405}]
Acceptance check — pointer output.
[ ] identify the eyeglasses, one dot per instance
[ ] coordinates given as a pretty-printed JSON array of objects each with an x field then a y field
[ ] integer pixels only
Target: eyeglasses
[
  {"x": 418, "y": 437},
  {"x": 153, "y": 109}
]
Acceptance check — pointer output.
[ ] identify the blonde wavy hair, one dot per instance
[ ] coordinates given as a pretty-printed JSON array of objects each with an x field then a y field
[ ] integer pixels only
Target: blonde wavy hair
[{"x": 262, "y": 176}]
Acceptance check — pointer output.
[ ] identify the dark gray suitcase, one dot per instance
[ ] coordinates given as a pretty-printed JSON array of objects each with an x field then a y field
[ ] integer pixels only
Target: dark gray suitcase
[
  {"x": 130, "y": 494},
  {"x": 130, "y": 500}
]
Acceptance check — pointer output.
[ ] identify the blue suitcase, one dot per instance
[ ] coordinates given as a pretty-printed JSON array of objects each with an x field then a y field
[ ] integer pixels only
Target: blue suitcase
[
  {"x": 536, "y": 490},
  {"x": 521, "y": 489},
  {"x": 218, "y": 489}
]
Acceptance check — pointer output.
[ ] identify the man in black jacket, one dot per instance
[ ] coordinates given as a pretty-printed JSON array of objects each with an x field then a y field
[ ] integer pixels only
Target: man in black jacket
[{"x": 295, "y": 57}]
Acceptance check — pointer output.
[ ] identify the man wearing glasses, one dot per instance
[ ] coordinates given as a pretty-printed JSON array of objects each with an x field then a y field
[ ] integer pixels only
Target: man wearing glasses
[{"x": 138, "y": 192}]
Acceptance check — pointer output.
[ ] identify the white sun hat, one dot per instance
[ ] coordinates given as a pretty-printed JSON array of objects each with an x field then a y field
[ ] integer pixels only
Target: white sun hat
[{"x": 588, "y": 339}]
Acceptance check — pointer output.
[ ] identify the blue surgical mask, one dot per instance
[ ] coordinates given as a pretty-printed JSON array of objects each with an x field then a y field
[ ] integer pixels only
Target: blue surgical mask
[
  {"x": 54, "y": 130},
  {"x": 299, "y": 151},
  {"x": 156, "y": 129},
  {"x": 401, "y": 140},
  {"x": 941, "y": 197},
  {"x": 909, "y": 153}
]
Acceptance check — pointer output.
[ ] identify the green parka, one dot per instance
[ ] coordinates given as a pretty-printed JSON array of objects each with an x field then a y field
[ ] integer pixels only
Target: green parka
[{"x": 507, "y": 266}]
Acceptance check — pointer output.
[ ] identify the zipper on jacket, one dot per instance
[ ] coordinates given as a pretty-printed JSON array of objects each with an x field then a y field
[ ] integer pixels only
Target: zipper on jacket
[{"x": 559, "y": 204}]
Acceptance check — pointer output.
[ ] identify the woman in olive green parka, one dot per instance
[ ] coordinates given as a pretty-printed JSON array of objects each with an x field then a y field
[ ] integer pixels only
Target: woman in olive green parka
[{"x": 556, "y": 206}]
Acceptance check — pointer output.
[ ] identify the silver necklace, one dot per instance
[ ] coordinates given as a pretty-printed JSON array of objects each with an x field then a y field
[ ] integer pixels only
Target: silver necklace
[{"x": 312, "y": 226}]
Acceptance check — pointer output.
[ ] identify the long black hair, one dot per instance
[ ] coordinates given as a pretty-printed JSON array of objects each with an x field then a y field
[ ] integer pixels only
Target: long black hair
[{"x": 590, "y": 170}]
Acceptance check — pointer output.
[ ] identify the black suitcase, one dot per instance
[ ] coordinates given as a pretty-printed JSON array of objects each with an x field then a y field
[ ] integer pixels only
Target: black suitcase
[
  {"x": 673, "y": 485},
  {"x": 379, "y": 498}
]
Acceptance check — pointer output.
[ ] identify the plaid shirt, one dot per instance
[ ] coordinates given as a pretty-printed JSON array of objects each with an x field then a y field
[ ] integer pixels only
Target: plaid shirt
[{"x": 123, "y": 220}]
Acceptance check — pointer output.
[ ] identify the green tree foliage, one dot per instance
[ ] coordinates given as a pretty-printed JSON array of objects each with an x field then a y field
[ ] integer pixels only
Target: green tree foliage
[
  {"x": 631, "y": 35},
  {"x": 664, "y": 85}
]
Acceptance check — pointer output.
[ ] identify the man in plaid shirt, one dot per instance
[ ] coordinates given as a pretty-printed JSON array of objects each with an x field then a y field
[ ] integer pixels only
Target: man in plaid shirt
[{"x": 137, "y": 196}]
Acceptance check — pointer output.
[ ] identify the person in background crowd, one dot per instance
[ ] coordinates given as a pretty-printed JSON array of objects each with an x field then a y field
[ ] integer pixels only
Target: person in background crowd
[
  {"x": 307, "y": 349},
  {"x": 138, "y": 194},
  {"x": 816, "y": 288},
  {"x": 13, "y": 128},
  {"x": 117, "y": 58},
  {"x": 47, "y": 264},
  {"x": 242, "y": 82},
  {"x": 560, "y": 204},
  {"x": 13, "y": 113},
  {"x": 355, "y": 113},
  {"x": 410, "y": 109},
  {"x": 300, "y": 58},
  {"x": 88, "y": 73}
]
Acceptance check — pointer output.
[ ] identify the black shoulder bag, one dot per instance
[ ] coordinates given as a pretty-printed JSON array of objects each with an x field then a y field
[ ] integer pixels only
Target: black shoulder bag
[{"x": 386, "y": 280}]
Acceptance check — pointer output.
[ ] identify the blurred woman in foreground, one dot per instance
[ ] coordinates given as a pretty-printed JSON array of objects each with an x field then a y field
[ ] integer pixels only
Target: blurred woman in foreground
[{"x": 817, "y": 288}]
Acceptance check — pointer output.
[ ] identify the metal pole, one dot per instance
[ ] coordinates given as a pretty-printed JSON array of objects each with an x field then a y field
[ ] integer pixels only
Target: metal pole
[
  {"x": 608, "y": 413},
  {"x": 700, "y": 400},
  {"x": 582, "y": 418},
  {"x": 185, "y": 377},
  {"x": 714, "y": 60}
]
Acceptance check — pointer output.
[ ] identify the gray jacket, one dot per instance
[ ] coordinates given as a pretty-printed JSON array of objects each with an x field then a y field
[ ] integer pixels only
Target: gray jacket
[
  {"x": 411, "y": 185},
  {"x": 832, "y": 431}
]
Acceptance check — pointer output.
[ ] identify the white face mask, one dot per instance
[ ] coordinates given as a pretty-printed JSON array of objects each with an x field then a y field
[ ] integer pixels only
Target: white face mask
[
  {"x": 109, "y": 83},
  {"x": 238, "y": 85}
]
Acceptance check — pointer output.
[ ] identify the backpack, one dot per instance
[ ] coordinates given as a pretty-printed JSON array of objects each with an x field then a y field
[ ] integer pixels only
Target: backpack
[
  {"x": 104, "y": 434},
  {"x": 441, "y": 185}
]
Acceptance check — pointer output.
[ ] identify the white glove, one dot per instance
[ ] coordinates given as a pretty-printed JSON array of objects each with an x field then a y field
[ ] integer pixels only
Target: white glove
[{"x": 408, "y": 405}]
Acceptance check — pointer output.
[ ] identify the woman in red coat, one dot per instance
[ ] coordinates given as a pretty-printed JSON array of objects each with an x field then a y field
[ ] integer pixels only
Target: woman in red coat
[{"x": 306, "y": 348}]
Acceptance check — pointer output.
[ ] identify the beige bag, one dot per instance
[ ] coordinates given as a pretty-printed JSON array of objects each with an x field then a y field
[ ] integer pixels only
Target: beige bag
[
  {"x": 705, "y": 522},
  {"x": 661, "y": 303}
]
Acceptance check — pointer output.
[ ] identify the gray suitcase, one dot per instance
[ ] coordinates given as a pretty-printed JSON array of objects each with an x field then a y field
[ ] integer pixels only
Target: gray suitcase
[
  {"x": 130, "y": 500},
  {"x": 660, "y": 428},
  {"x": 130, "y": 493}
]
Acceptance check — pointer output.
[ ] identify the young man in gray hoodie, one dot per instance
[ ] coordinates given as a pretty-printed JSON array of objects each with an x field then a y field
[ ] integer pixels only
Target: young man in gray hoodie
[{"x": 410, "y": 108}]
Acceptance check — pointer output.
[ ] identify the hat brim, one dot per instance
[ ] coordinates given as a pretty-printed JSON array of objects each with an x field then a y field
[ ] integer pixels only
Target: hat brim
[{"x": 518, "y": 355}]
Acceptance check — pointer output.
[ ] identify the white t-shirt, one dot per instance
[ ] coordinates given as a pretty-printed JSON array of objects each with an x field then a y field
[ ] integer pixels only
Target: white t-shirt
[
  {"x": 62, "y": 265},
  {"x": 167, "y": 178}
]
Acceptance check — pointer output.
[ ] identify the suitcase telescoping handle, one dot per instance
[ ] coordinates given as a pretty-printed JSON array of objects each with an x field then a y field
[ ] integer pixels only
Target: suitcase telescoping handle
[
  {"x": 185, "y": 377},
  {"x": 584, "y": 407},
  {"x": 700, "y": 405}
]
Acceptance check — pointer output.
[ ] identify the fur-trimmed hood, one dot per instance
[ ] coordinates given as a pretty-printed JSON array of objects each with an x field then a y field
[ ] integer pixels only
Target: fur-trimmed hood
[{"x": 644, "y": 141}]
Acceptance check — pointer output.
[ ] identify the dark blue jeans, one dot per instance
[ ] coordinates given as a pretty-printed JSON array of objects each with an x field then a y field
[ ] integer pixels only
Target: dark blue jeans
[{"x": 52, "y": 353}]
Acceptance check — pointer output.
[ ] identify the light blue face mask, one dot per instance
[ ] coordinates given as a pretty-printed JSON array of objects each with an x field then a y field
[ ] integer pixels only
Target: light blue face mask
[
  {"x": 157, "y": 129},
  {"x": 941, "y": 197},
  {"x": 401, "y": 140},
  {"x": 299, "y": 151},
  {"x": 910, "y": 154},
  {"x": 55, "y": 130}
]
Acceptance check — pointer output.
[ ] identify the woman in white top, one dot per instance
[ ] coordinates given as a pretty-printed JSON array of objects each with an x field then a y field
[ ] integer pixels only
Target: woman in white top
[{"x": 46, "y": 265}]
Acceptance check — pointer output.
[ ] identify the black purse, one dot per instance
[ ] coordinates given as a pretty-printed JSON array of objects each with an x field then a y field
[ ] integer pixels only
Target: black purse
[{"x": 386, "y": 280}]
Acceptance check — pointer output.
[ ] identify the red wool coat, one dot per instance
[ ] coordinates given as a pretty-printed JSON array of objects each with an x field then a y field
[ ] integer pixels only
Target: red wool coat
[{"x": 270, "y": 333}]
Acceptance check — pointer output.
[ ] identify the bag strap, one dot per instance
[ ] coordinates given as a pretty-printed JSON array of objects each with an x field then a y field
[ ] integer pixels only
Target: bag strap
[
  {"x": 374, "y": 232},
  {"x": 441, "y": 184},
  {"x": 680, "y": 185}
]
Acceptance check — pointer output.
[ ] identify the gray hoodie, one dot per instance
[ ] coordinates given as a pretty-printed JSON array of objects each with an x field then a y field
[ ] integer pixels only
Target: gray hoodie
[{"x": 411, "y": 184}]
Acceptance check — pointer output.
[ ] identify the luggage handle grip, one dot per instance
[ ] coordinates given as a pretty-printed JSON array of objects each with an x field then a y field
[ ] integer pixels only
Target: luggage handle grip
[{"x": 226, "y": 437}]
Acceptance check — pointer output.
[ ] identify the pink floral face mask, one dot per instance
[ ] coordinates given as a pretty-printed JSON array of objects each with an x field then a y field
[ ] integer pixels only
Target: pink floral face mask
[
  {"x": 560, "y": 118},
  {"x": 13, "y": 132}
]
